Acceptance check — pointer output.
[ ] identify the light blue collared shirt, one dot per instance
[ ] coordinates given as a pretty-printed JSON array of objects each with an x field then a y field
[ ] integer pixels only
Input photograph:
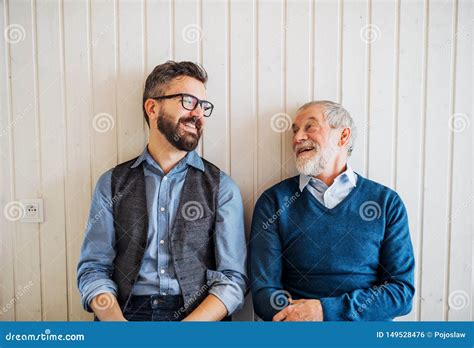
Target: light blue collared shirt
[
  {"x": 330, "y": 196},
  {"x": 157, "y": 274}
]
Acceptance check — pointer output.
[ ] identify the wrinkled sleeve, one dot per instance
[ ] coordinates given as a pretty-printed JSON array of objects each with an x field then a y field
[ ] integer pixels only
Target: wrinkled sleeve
[
  {"x": 97, "y": 253},
  {"x": 229, "y": 281}
]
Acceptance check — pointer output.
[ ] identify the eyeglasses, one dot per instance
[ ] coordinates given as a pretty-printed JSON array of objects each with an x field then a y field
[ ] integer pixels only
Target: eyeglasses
[{"x": 190, "y": 102}]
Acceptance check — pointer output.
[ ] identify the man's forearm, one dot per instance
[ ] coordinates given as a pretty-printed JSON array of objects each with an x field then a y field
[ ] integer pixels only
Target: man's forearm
[
  {"x": 106, "y": 307},
  {"x": 211, "y": 309}
]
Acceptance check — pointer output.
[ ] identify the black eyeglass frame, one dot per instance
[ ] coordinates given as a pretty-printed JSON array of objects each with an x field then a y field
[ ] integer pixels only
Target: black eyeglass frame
[{"x": 182, "y": 95}]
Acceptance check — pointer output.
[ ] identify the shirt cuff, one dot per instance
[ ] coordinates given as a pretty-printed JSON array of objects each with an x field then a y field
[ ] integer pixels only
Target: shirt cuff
[
  {"x": 226, "y": 290},
  {"x": 95, "y": 288}
]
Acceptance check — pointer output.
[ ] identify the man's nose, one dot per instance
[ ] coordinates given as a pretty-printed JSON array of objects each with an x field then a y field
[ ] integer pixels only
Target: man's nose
[
  {"x": 299, "y": 136},
  {"x": 198, "y": 118},
  {"x": 198, "y": 112}
]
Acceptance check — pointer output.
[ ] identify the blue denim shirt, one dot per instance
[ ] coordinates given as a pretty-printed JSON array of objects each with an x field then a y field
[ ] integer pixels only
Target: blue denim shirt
[{"x": 157, "y": 275}]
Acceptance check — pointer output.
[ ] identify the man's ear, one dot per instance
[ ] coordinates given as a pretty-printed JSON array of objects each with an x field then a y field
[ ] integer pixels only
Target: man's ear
[
  {"x": 345, "y": 135},
  {"x": 152, "y": 109}
]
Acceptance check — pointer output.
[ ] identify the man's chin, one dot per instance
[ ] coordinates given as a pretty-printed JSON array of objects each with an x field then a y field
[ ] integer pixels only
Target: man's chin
[
  {"x": 307, "y": 166},
  {"x": 188, "y": 142},
  {"x": 304, "y": 158}
]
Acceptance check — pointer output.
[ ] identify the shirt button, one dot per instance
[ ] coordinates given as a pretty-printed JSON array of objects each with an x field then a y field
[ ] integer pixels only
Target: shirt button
[
  {"x": 162, "y": 209},
  {"x": 162, "y": 271},
  {"x": 165, "y": 178},
  {"x": 162, "y": 241}
]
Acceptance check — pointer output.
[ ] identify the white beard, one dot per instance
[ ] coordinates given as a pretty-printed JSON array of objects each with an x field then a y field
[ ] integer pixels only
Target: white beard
[{"x": 316, "y": 164}]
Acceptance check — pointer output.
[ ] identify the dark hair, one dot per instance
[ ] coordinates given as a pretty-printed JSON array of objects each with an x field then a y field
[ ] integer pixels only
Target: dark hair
[{"x": 162, "y": 74}]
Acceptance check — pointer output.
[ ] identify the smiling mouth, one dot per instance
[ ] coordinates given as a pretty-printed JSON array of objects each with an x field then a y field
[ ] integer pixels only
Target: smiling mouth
[
  {"x": 304, "y": 150},
  {"x": 189, "y": 126}
]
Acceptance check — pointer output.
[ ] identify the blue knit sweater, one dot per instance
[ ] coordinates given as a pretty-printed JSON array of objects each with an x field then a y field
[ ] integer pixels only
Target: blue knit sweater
[{"x": 356, "y": 258}]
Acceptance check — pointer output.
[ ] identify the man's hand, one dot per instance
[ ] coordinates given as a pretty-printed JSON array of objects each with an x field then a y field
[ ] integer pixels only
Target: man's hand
[
  {"x": 301, "y": 310},
  {"x": 106, "y": 307}
]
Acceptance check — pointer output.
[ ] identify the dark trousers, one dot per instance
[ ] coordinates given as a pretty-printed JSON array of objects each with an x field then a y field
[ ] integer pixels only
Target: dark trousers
[{"x": 155, "y": 308}]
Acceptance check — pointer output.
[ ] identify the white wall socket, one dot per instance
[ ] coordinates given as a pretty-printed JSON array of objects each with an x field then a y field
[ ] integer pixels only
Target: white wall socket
[{"x": 33, "y": 210}]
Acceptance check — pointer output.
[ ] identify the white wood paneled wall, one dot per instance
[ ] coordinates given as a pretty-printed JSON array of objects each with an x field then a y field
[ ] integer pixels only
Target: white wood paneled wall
[{"x": 72, "y": 74}]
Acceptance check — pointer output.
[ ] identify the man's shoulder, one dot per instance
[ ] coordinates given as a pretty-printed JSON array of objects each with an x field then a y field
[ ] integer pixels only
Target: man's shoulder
[
  {"x": 126, "y": 164},
  {"x": 209, "y": 164},
  {"x": 284, "y": 189},
  {"x": 374, "y": 188}
]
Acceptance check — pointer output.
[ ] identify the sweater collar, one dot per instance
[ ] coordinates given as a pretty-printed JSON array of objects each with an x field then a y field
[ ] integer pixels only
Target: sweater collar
[{"x": 347, "y": 174}]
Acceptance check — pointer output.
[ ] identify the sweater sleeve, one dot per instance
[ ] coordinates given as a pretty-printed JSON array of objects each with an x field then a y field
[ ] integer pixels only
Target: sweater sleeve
[
  {"x": 265, "y": 260},
  {"x": 393, "y": 295}
]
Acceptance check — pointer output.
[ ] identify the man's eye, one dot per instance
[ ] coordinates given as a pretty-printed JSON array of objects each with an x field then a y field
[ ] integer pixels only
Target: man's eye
[{"x": 188, "y": 101}]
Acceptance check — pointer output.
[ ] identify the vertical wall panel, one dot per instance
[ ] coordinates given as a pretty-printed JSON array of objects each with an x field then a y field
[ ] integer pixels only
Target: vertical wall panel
[
  {"x": 243, "y": 111},
  {"x": 354, "y": 76},
  {"x": 410, "y": 123},
  {"x": 103, "y": 46},
  {"x": 158, "y": 33},
  {"x": 298, "y": 68},
  {"x": 435, "y": 208},
  {"x": 72, "y": 81},
  {"x": 26, "y": 152},
  {"x": 7, "y": 192},
  {"x": 52, "y": 130},
  {"x": 130, "y": 132},
  {"x": 382, "y": 91},
  {"x": 270, "y": 93},
  {"x": 79, "y": 117},
  {"x": 459, "y": 291},
  {"x": 326, "y": 34}
]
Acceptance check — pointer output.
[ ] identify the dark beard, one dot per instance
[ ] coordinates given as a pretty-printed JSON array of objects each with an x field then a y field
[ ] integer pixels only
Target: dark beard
[{"x": 182, "y": 140}]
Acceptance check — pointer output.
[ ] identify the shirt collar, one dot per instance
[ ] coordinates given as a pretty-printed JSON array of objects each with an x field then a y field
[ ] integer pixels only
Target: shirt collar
[
  {"x": 192, "y": 159},
  {"x": 348, "y": 173}
]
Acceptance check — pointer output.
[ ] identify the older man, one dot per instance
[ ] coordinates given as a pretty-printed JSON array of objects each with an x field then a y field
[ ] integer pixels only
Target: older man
[
  {"x": 329, "y": 244},
  {"x": 165, "y": 236}
]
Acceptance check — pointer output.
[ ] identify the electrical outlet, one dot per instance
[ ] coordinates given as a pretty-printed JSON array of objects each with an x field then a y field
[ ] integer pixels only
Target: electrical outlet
[{"x": 33, "y": 210}]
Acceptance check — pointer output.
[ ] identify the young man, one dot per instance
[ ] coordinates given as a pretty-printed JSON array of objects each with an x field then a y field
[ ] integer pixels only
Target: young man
[
  {"x": 329, "y": 244},
  {"x": 165, "y": 236}
]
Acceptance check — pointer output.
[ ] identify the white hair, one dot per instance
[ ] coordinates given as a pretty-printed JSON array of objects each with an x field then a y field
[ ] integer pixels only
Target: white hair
[{"x": 337, "y": 117}]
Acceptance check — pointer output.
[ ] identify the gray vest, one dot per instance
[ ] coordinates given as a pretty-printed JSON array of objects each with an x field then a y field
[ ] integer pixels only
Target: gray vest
[{"x": 191, "y": 236}]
